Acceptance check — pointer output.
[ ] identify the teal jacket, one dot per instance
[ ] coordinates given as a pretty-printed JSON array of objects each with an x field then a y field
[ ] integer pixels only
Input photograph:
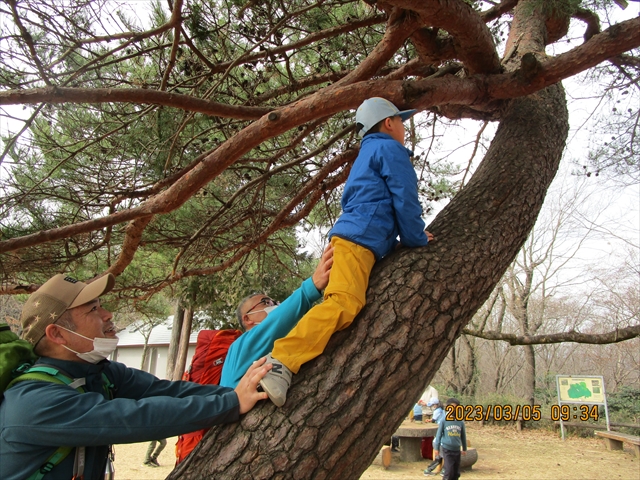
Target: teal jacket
[
  {"x": 451, "y": 435},
  {"x": 38, "y": 417},
  {"x": 257, "y": 342}
]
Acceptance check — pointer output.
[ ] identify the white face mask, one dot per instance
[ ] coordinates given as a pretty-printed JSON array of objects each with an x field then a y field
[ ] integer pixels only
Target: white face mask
[
  {"x": 102, "y": 348},
  {"x": 270, "y": 309},
  {"x": 266, "y": 310}
]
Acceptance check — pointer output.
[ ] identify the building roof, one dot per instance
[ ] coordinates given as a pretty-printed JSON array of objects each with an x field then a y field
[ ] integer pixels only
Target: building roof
[{"x": 160, "y": 336}]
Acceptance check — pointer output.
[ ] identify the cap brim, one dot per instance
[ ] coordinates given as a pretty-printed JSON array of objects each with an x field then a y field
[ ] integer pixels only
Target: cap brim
[
  {"x": 94, "y": 290},
  {"x": 407, "y": 114}
]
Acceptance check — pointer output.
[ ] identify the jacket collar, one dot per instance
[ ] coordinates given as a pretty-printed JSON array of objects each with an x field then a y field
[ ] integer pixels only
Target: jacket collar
[
  {"x": 75, "y": 369},
  {"x": 382, "y": 136}
]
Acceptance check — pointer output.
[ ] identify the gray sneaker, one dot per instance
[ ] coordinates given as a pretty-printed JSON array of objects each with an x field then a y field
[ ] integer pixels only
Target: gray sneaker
[{"x": 276, "y": 382}]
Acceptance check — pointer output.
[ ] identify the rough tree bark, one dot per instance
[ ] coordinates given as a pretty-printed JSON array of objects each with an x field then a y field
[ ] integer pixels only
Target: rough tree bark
[{"x": 347, "y": 402}]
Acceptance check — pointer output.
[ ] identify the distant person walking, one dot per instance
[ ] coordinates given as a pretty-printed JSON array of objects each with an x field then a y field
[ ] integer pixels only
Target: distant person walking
[{"x": 151, "y": 459}]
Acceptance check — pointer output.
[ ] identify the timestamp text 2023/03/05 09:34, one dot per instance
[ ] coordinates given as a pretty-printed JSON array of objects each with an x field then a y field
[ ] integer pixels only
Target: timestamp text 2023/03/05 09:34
[{"x": 564, "y": 412}]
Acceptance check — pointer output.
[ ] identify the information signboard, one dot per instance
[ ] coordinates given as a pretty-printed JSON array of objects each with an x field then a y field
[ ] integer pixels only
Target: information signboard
[
  {"x": 582, "y": 389},
  {"x": 574, "y": 389}
]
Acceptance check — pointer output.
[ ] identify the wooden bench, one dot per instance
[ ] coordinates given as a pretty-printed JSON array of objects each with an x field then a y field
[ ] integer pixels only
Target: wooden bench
[{"x": 614, "y": 440}]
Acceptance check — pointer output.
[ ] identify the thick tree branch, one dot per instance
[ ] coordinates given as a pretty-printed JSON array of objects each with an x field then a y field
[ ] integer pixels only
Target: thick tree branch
[
  {"x": 423, "y": 94},
  {"x": 473, "y": 41},
  {"x": 615, "y": 40},
  {"x": 431, "y": 48},
  {"x": 608, "y": 44},
  {"x": 61, "y": 95},
  {"x": 310, "y": 194},
  {"x": 592, "y": 21},
  {"x": 618, "y": 335},
  {"x": 133, "y": 237},
  {"x": 399, "y": 27},
  {"x": 498, "y": 10}
]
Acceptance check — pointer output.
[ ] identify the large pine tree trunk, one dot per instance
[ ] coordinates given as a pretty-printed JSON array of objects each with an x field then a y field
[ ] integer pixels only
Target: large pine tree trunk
[{"x": 346, "y": 403}]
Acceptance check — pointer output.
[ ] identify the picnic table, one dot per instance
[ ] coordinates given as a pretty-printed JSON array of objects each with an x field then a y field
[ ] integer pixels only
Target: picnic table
[{"x": 410, "y": 434}]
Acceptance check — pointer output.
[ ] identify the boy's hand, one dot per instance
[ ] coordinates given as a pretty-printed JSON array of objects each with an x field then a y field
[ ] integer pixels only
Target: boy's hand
[
  {"x": 247, "y": 389},
  {"x": 320, "y": 277},
  {"x": 429, "y": 235}
]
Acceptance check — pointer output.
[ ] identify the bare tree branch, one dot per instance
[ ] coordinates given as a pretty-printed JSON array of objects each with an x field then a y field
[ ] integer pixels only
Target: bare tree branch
[{"x": 618, "y": 335}]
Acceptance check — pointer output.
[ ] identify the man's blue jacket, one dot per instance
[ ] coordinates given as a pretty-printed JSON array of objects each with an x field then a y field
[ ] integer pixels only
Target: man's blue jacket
[
  {"x": 380, "y": 199},
  {"x": 37, "y": 417}
]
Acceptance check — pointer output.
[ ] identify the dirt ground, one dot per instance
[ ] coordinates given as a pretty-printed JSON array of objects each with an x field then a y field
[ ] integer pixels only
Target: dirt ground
[{"x": 503, "y": 454}]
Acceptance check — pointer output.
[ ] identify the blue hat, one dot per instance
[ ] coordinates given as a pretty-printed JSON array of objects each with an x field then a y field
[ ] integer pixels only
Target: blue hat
[
  {"x": 432, "y": 402},
  {"x": 375, "y": 109}
]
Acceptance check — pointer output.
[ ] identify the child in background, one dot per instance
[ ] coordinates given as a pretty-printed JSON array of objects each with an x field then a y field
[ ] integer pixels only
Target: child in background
[
  {"x": 450, "y": 438},
  {"x": 438, "y": 412},
  {"x": 417, "y": 412},
  {"x": 437, "y": 417},
  {"x": 379, "y": 203}
]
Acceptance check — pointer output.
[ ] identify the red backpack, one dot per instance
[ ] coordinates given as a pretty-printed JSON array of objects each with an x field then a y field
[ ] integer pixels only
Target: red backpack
[{"x": 206, "y": 368}]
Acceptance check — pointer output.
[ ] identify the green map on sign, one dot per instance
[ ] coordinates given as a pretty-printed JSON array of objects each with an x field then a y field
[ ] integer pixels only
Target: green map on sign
[{"x": 579, "y": 390}]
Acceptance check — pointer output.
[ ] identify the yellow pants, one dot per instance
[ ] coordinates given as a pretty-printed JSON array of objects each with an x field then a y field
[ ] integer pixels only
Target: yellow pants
[{"x": 344, "y": 297}]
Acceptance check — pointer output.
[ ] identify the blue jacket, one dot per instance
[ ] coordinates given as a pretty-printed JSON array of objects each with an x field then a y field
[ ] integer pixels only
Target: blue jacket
[
  {"x": 380, "y": 199},
  {"x": 37, "y": 417},
  {"x": 257, "y": 342},
  {"x": 451, "y": 435},
  {"x": 438, "y": 415}
]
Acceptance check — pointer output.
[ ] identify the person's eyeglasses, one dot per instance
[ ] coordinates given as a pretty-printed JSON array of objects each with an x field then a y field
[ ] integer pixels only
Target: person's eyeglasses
[{"x": 266, "y": 302}]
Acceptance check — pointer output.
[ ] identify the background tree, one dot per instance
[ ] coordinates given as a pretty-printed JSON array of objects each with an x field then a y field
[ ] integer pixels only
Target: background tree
[
  {"x": 598, "y": 315},
  {"x": 565, "y": 296},
  {"x": 214, "y": 130}
]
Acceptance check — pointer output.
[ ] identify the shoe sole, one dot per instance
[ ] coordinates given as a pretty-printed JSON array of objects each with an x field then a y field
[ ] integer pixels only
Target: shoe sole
[{"x": 273, "y": 396}]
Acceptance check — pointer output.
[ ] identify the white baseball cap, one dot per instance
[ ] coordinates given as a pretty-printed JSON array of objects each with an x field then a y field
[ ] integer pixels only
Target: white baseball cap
[{"x": 375, "y": 109}]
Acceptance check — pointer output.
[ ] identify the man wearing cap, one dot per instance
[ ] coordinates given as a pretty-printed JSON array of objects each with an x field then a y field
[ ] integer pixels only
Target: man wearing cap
[
  {"x": 380, "y": 202},
  {"x": 73, "y": 334}
]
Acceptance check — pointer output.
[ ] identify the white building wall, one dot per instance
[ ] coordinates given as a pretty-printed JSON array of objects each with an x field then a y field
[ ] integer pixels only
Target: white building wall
[{"x": 132, "y": 357}]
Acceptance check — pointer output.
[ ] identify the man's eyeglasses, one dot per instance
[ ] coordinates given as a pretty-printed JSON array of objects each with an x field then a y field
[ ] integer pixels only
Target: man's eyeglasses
[{"x": 266, "y": 302}]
